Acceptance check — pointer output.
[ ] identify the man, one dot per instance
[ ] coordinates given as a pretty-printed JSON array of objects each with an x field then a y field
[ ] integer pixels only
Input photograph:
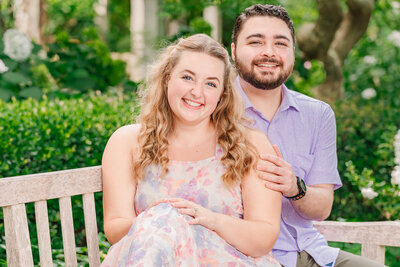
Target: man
[{"x": 303, "y": 130}]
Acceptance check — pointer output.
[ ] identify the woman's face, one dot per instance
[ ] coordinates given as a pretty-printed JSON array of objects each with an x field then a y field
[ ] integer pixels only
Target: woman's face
[{"x": 195, "y": 86}]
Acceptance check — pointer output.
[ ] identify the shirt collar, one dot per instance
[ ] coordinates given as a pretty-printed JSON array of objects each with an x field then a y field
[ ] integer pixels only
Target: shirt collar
[{"x": 288, "y": 98}]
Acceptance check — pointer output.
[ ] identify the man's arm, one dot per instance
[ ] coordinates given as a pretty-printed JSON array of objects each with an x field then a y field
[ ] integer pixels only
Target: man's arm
[{"x": 322, "y": 177}]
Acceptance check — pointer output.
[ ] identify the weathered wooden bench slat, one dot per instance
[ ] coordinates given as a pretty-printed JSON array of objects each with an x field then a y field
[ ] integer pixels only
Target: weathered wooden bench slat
[
  {"x": 385, "y": 233},
  {"x": 92, "y": 239},
  {"x": 18, "y": 243},
  {"x": 42, "y": 225},
  {"x": 67, "y": 229},
  {"x": 373, "y": 252},
  {"x": 35, "y": 187},
  {"x": 373, "y": 236}
]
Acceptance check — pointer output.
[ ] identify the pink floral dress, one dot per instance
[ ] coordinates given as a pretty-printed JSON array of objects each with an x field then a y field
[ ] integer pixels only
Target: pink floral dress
[{"x": 160, "y": 236}]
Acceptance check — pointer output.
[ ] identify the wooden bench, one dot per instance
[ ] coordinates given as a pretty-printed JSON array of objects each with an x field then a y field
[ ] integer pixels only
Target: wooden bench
[{"x": 38, "y": 188}]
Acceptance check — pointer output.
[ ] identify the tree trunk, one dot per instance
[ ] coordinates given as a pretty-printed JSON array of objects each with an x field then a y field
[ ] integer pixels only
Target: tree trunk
[
  {"x": 27, "y": 18},
  {"x": 331, "y": 38}
]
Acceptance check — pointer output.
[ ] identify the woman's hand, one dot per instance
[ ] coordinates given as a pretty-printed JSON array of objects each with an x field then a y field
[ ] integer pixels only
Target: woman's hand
[{"x": 200, "y": 215}]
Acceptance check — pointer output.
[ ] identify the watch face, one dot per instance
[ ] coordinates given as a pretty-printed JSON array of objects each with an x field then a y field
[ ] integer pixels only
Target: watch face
[{"x": 303, "y": 185}]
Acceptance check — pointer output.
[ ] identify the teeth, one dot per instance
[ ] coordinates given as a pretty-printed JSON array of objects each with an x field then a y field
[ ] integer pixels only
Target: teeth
[
  {"x": 267, "y": 65},
  {"x": 193, "y": 104}
]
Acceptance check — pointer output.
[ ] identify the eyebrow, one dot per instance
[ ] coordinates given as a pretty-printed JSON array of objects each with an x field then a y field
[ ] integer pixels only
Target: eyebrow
[
  {"x": 259, "y": 35},
  {"x": 208, "y": 78}
]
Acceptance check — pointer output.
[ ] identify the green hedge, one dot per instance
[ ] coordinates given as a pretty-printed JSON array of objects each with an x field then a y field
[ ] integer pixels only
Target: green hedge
[{"x": 50, "y": 135}]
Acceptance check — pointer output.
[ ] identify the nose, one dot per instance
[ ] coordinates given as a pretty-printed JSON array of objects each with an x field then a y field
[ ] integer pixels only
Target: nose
[
  {"x": 197, "y": 90},
  {"x": 268, "y": 50}
]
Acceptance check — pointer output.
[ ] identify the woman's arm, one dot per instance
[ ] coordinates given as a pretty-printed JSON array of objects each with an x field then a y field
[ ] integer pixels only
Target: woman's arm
[
  {"x": 255, "y": 234},
  {"x": 119, "y": 185}
]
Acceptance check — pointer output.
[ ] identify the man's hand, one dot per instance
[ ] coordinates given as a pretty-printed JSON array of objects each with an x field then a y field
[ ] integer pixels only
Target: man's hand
[{"x": 277, "y": 174}]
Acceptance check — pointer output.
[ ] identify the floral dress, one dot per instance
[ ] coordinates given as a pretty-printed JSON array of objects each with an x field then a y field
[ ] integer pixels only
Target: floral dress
[{"x": 160, "y": 236}]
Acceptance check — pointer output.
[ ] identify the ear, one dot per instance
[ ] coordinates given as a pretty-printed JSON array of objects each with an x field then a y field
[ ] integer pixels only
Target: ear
[{"x": 233, "y": 51}]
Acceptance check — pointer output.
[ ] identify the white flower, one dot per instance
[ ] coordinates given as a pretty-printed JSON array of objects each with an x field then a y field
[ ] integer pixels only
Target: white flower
[
  {"x": 3, "y": 67},
  {"x": 17, "y": 45},
  {"x": 395, "y": 5},
  {"x": 396, "y": 144},
  {"x": 396, "y": 175},
  {"x": 368, "y": 93},
  {"x": 394, "y": 37},
  {"x": 42, "y": 54},
  {"x": 368, "y": 193},
  {"x": 307, "y": 65},
  {"x": 370, "y": 60}
]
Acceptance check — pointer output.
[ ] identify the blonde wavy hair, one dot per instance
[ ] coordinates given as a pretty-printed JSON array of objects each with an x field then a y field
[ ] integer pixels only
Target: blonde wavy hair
[{"x": 156, "y": 116}]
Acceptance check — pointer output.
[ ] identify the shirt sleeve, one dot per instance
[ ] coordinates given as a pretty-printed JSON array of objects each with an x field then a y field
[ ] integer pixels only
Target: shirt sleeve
[{"x": 324, "y": 167}]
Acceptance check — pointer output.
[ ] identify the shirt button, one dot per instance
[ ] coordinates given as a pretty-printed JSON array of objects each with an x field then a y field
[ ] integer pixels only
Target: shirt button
[{"x": 285, "y": 219}]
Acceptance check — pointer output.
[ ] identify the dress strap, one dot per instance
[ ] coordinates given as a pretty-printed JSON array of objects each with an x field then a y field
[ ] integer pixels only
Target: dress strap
[{"x": 218, "y": 151}]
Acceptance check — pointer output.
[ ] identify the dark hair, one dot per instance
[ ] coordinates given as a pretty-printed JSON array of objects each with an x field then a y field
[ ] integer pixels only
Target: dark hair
[{"x": 262, "y": 10}]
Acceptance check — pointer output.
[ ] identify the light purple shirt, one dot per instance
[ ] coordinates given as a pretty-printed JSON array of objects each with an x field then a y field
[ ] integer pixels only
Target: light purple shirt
[{"x": 304, "y": 129}]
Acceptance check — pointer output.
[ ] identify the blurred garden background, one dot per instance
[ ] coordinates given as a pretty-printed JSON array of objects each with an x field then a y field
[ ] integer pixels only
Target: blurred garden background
[{"x": 70, "y": 70}]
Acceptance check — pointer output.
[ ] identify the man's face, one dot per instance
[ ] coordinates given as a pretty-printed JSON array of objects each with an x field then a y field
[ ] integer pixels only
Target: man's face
[{"x": 264, "y": 52}]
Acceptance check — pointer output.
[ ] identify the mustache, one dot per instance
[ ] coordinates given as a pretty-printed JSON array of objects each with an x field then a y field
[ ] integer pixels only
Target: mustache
[{"x": 266, "y": 60}]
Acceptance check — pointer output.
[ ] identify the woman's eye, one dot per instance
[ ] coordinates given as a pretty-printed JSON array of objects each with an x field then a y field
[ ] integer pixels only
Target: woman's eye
[
  {"x": 186, "y": 77},
  {"x": 211, "y": 84}
]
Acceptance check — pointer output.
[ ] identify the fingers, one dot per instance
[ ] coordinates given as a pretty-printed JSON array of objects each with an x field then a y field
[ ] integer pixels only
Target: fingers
[
  {"x": 277, "y": 151},
  {"x": 269, "y": 177},
  {"x": 274, "y": 186},
  {"x": 196, "y": 220},
  {"x": 265, "y": 167},
  {"x": 187, "y": 211},
  {"x": 280, "y": 162}
]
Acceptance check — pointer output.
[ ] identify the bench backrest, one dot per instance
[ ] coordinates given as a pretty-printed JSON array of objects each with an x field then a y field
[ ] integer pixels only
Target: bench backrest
[
  {"x": 373, "y": 236},
  {"x": 38, "y": 188}
]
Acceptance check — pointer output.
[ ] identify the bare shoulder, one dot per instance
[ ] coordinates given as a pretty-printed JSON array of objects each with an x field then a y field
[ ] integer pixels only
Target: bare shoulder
[
  {"x": 124, "y": 140},
  {"x": 127, "y": 134},
  {"x": 259, "y": 140}
]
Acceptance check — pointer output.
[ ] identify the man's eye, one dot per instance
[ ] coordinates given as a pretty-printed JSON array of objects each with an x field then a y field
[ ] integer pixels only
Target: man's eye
[
  {"x": 255, "y": 42},
  {"x": 281, "y": 44}
]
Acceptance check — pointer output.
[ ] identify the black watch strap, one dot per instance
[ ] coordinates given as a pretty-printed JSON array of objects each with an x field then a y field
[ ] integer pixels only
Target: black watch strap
[{"x": 302, "y": 190}]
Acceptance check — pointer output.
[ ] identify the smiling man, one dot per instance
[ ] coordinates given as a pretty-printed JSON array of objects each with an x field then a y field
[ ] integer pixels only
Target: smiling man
[{"x": 303, "y": 130}]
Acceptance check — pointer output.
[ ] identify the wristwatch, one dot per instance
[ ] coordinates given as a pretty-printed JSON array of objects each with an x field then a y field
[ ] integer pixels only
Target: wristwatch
[{"x": 301, "y": 185}]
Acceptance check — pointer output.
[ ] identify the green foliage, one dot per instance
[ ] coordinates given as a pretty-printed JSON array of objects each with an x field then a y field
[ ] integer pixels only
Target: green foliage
[
  {"x": 69, "y": 15},
  {"x": 199, "y": 25},
  {"x": 118, "y": 37},
  {"x": 50, "y": 135},
  {"x": 6, "y": 16},
  {"x": 365, "y": 151},
  {"x": 374, "y": 62},
  {"x": 57, "y": 134},
  {"x": 83, "y": 64},
  {"x": 366, "y": 127},
  {"x": 70, "y": 67},
  {"x": 23, "y": 79}
]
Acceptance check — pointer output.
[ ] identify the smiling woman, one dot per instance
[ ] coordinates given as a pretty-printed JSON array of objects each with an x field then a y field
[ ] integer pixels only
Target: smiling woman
[
  {"x": 195, "y": 89},
  {"x": 180, "y": 188}
]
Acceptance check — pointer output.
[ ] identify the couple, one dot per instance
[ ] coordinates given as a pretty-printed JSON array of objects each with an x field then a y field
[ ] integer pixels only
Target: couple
[{"x": 194, "y": 185}]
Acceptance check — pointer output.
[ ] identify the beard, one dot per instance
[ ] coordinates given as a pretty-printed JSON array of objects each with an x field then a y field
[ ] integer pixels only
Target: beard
[{"x": 263, "y": 81}]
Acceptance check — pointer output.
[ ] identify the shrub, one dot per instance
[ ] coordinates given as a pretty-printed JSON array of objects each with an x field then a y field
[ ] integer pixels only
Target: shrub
[
  {"x": 366, "y": 130},
  {"x": 50, "y": 135},
  {"x": 68, "y": 67}
]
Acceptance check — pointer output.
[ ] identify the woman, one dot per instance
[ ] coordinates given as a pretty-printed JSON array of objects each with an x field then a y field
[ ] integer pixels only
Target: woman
[{"x": 180, "y": 188}]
